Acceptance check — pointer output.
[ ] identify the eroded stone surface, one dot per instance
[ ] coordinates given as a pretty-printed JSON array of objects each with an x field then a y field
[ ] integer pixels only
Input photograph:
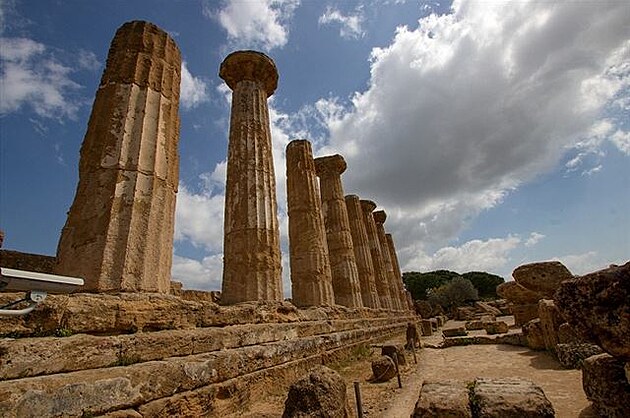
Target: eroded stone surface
[
  {"x": 251, "y": 247},
  {"x": 550, "y": 321},
  {"x": 383, "y": 369},
  {"x": 597, "y": 306},
  {"x": 496, "y": 327},
  {"x": 395, "y": 290},
  {"x": 543, "y": 277},
  {"x": 443, "y": 398},
  {"x": 119, "y": 232},
  {"x": 605, "y": 385},
  {"x": 398, "y": 350},
  {"x": 321, "y": 393},
  {"x": 517, "y": 294},
  {"x": 311, "y": 278},
  {"x": 510, "y": 398},
  {"x": 382, "y": 278},
  {"x": 343, "y": 265},
  {"x": 533, "y": 333},
  {"x": 363, "y": 257},
  {"x": 454, "y": 332},
  {"x": 572, "y": 355},
  {"x": 524, "y": 313}
]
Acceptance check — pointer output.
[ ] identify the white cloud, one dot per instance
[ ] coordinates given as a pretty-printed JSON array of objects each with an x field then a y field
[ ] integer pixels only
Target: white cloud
[
  {"x": 199, "y": 218},
  {"x": 194, "y": 90},
  {"x": 87, "y": 60},
  {"x": 621, "y": 139},
  {"x": 534, "y": 238},
  {"x": 32, "y": 77},
  {"x": 580, "y": 264},
  {"x": 199, "y": 275},
  {"x": 260, "y": 23},
  {"x": 350, "y": 26},
  {"x": 468, "y": 106}
]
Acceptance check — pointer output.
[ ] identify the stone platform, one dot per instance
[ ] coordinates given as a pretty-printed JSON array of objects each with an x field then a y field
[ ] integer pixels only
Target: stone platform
[{"x": 162, "y": 355}]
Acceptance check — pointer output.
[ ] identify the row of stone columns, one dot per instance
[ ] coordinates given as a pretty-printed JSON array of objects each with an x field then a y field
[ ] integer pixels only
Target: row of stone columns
[
  {"x": 324, "y": 263},
  {"x": 119, "y": 231}
]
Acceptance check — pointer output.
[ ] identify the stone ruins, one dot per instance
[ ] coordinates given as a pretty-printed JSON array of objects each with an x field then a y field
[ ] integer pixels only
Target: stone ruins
[
  {"x": 251, "y": 247},
  {"x": 119, "y": 231}
]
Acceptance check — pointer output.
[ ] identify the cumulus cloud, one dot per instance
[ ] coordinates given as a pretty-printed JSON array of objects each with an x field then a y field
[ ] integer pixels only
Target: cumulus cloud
[
  {"x": 350, "y": 26},
  {"x": 194, "y": 90},
  {"x": 534, "y": 238},
  {"x": 261, "y": 23},
  {"x": 584, "y": 263},
  {"x": 199, "y": 218},
  {"x": 621, "y": 139},
  {"x": 200, "y": 275},
  {"x": 31, "y": 77},
  {"x": 468, "y": 106}
]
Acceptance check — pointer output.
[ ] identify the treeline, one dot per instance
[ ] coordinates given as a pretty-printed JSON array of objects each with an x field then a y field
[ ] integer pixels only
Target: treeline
[{"x": 424, "y": 285}]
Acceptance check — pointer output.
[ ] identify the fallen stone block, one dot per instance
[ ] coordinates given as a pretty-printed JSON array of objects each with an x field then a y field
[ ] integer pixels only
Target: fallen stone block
[
  {"x": 524, "y": 313},
  {"x": 322, "y": 393},
  {"x": 474, "y": 325},
  {"x": 532, "y": 331},
  {"x": 496, "y": 327},
  {"x": 383, "y": 369},
  {"x": 567, "y": 335},
  {"x": 454, "y": 332},
  {"x": 426, "y": 327},
  {"x": 605, "y": 384},
  {"x": 543, "y": 277},
  {"x": 488, "y": 309},
  {"x": 571, "y": 355},
  {"x": 550, "y": 321},
  {"x": 517, "y": 294},
  {"x": 509, "y": 398},
  {"x": 390, "y": 350},
  {"x": 443, "y": 398}
]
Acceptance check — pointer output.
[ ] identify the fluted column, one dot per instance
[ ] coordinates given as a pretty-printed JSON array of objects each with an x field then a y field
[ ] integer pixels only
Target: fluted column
[
  {"x": 394, "y": 293},
  {"x": 345, "y": 275},
  {"x": 119, "y": 232},
  {"x": 252, "y": 266},
  {"x": 397, "y": 273},
  {"x": 311, "y": 281},
  {"x": 380, "y": 273},
  {"x": 362, "y": 254}
]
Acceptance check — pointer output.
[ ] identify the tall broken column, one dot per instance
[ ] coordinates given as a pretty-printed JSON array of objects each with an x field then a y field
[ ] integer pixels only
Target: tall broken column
[
  {"x": 380, "y": 272},
  {"x": 252, "y": 266},
  {"x": 394, "y": 291},
  {"x": 311, "y": 281},
  {"x": 119, "y": 231},
  {"x": 345, "y": 275},
  {"x": 397, "y": 273},
  {"x": 362, "y": 254}
]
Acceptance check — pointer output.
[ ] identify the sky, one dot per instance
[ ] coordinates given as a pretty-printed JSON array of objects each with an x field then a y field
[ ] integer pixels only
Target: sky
[{"x": 493, "y": 133}]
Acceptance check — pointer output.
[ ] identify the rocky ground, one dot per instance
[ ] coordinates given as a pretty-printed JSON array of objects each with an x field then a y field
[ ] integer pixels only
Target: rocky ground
[{"x": 562, "y": 387}]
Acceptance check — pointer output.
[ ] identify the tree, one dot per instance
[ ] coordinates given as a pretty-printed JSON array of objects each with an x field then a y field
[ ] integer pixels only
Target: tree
[
  {"x": 454, "y": 293},
  {"x": 485, "y": 283},
  {"x": 418, "y": 283}
]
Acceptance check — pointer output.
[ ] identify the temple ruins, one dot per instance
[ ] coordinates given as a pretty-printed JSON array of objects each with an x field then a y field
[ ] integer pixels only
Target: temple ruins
[
  {"x": 345, "y": 274},
  {"x": 251, "y": 248},
  {"x": 395, "y": 290},
  {"x": 119, "y": 232},
  {"x": 311, "y": 277},
  {"x": 362, "y": 254}
]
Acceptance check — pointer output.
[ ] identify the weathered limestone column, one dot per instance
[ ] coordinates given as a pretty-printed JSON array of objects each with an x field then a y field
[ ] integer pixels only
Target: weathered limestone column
[
  {"x": 345, "y": 275},
  {"x": 119, "y": 231},
  {"x": 311, "y": 281},
  {"x": 362, "y": 254},
  {"x": 252, "y": 266},
  {"x": 379, "y": 219},
  {"x": 380, "y": 273},
  {"x": 397, "y": 273}
]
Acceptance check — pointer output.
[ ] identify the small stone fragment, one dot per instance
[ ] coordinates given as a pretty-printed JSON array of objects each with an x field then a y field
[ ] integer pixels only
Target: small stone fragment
[
  {"x": 383, "y": 369},
  {"x": 454, "y": 332}
]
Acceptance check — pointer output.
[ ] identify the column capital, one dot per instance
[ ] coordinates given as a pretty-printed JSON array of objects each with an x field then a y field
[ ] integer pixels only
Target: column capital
[
  {"x": 380, "y": 216},
  {"x": 251, "y": 66},
  {"x": 367, "y": 205},
  {"x": 330, "y": 165}
]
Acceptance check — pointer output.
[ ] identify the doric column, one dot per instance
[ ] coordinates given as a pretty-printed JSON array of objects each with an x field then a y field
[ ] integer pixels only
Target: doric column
[
  {"x": 397, "y": 273},
  {"x": 380, "y": 272},
  {"x": 311, "y": 282},
  {"x": 252, "y": 266},
  {"x": 394, "y": 292},
  {"x": 362, "y": 254},
  {"x": 345, "y": 275},
  {"x": 119, "y": 231}
]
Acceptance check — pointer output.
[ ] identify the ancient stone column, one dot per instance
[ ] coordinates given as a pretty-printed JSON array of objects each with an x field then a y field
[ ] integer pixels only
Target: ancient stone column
[
  {"x": 345, "y": 275},
  {"x": 394, "y": 292},
  {"x": 251, "y": 246},
  {"x": 397, "y": 273},
  {"x": 119, "y": 231},
  {"x": 311, "y": 280},
  {"x": 380, "y": 272},
  {"x": 362, "y": 254}
]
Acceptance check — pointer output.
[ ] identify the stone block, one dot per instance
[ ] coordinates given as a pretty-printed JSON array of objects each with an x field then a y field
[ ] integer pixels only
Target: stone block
[
  {"x": 509, "y": 398},
  {"x": 443, "y": 398},
  {"x": 597, "y": 306},
  {"x": 454, "y": 332},
  {"x": 496, "y": 327},
  {"x": 550, "y": 321},
  {"x": 383, "y": 369},
  {"x": 321, "y": 393},
  {"x": 474, "y": 325},
  {"x": 524, "y": 313},
  {"x": 399, "y": 350},
  {"x": 517, "y": 294},
  {"x": 434, "y": 324},
  {"x": 605, "y": 384},
  {"x": 427, "y": 329},
  {"x": 572, "y": 355},
  {"x": 487, "y": 309},
  {"x": 543, "y": 277},
  {"x": 567, "y": 335},
  {"x": 532, "y": 331}
]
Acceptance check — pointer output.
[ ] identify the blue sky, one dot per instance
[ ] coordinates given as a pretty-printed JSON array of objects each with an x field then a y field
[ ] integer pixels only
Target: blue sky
[{"x": 493, "y": 133}]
